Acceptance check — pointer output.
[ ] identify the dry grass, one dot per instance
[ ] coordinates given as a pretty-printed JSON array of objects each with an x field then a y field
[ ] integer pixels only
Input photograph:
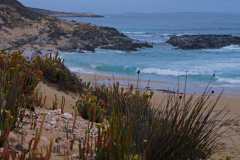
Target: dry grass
[{"x": 183, "y": 127}]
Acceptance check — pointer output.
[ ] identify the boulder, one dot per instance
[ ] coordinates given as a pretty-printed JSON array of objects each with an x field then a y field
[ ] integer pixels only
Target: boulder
[{"x": 203, "y": 41}]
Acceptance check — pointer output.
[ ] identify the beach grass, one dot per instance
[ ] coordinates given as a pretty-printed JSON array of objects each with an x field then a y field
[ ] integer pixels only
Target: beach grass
[{"x": 181, "y": 127}]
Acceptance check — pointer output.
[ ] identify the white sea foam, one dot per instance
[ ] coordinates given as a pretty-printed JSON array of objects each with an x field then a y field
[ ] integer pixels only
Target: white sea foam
[
  {"x": 68, "y": 53},
  {"x": 135, "y": 32},
  {"x": 228, "y": 80},
  {"x": 225, "y": 49},
  {"x": 232, "y": 47},
  {"x": 195, "y": 71},
  {"x": 166, "y": 72},
  {"x": 151, "y": 37},
  {"x": 80, "y": 70}
]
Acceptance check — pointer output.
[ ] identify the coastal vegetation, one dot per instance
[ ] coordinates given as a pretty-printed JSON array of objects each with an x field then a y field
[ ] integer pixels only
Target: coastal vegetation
[
  {"x": 18, "y": 80},
  {"x": 102, "y": 122},
  {"x": 180, "y": 127},
  {"x": 128, "y": 126},
  {"x": 55, "y": 72}
]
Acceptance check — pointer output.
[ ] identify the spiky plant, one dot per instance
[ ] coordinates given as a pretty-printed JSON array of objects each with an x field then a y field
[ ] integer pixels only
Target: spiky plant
[
  {"x": 90, "y": 108},
  {"x": 181, "y": 127},
  {"x": 54, "y": 71},
  {"x": 32, "y": 153},
  {"x": 17, "y": 82},
  {"x": 185, "y": 127}
]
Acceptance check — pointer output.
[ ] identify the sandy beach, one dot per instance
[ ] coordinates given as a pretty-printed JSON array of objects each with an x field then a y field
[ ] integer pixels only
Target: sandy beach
[{"x": 230, "y": 99}]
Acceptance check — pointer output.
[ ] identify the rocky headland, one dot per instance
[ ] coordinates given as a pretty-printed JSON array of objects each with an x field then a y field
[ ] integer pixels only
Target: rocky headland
[
  {"x": 22, "y": 28},
  {"x": 203, "y": 41}
]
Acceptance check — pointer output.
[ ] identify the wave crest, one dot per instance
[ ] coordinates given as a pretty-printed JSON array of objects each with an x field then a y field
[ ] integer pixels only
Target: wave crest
[
  {"x": 229, "y": 80},
  {"x": 151, "y": 37},
  {"x": 233, "y": 48},
  {"x": 166, "y": 72}
]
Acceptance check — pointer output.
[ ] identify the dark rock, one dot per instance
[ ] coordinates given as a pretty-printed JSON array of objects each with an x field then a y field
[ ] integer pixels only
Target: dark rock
[
  {"x": 203, "y": 41},
  {"x": 20, "y": 148},
  {"x": 127, "y": 46}
]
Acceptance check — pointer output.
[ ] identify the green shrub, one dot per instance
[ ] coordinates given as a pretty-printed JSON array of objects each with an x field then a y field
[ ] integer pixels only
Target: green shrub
[
  {"x": 184, "y": 127},
  {"x": 115, "y": 139},
  {"x": 116, "y": 136},
  {"x": 181, "y": 127},
  {"x": 18, "y": 80},
  {"x": 33, "y": 152},
  {"x": 105, "y": 99},
  {"x": 54, "y": 71},
  {"x": 121, "y": 98},
  {"x": 90, "y": 109}
]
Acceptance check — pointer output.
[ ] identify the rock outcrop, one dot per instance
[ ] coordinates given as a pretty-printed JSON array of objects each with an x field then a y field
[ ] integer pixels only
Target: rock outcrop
[
  {"x": 203, "y": 41},
  {"x": 21, "y": 28}
]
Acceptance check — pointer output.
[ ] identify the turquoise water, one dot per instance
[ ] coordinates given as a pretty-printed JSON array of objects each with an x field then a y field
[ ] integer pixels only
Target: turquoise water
[{"x": 164, "y": 62}]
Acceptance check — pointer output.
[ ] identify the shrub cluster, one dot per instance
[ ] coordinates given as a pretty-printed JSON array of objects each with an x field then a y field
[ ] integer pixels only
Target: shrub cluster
[
  {"x": 89, "y": 108},
  {"x": 130, "y": 128},
  {"x": 55, "y": 72},
  {"x": 101, "y": 100},
  {"x": 181, "y": 127},
  {"x": 18, "y": 80}
]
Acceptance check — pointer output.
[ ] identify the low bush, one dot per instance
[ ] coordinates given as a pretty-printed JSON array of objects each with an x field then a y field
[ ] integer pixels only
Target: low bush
[
  {"x": 115, "y": 139},
  {"x": 184, "y": 127},
  {"x": 18, "y": 80},
  {"x": 181, "y": 127},
  {"x": 89, "y": 108},
  {"x": 121, "y": 98},
  {"x": 104, "y": 99},
  {"x": 32, "y": 152},
  {"x": 54, "y": 71}
]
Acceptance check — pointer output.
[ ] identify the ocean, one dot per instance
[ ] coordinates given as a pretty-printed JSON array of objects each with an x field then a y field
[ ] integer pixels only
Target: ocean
[{"x": 163, "y": 63}]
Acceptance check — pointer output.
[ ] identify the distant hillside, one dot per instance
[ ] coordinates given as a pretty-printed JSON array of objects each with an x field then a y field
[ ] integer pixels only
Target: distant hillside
[
  {"x": 12, "y": 11},
  {"x": 23, "y": 28},
  {"x": 64, "y": 14}
]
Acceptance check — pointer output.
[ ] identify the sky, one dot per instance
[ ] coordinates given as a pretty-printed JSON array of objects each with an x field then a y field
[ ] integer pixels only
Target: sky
[{"x": 137, "y": 6}]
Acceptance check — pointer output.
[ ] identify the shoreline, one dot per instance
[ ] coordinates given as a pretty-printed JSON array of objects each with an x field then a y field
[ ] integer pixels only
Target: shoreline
[
  {"x": 155, "y": 85},
  {"x": 230, "y": 100}
]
